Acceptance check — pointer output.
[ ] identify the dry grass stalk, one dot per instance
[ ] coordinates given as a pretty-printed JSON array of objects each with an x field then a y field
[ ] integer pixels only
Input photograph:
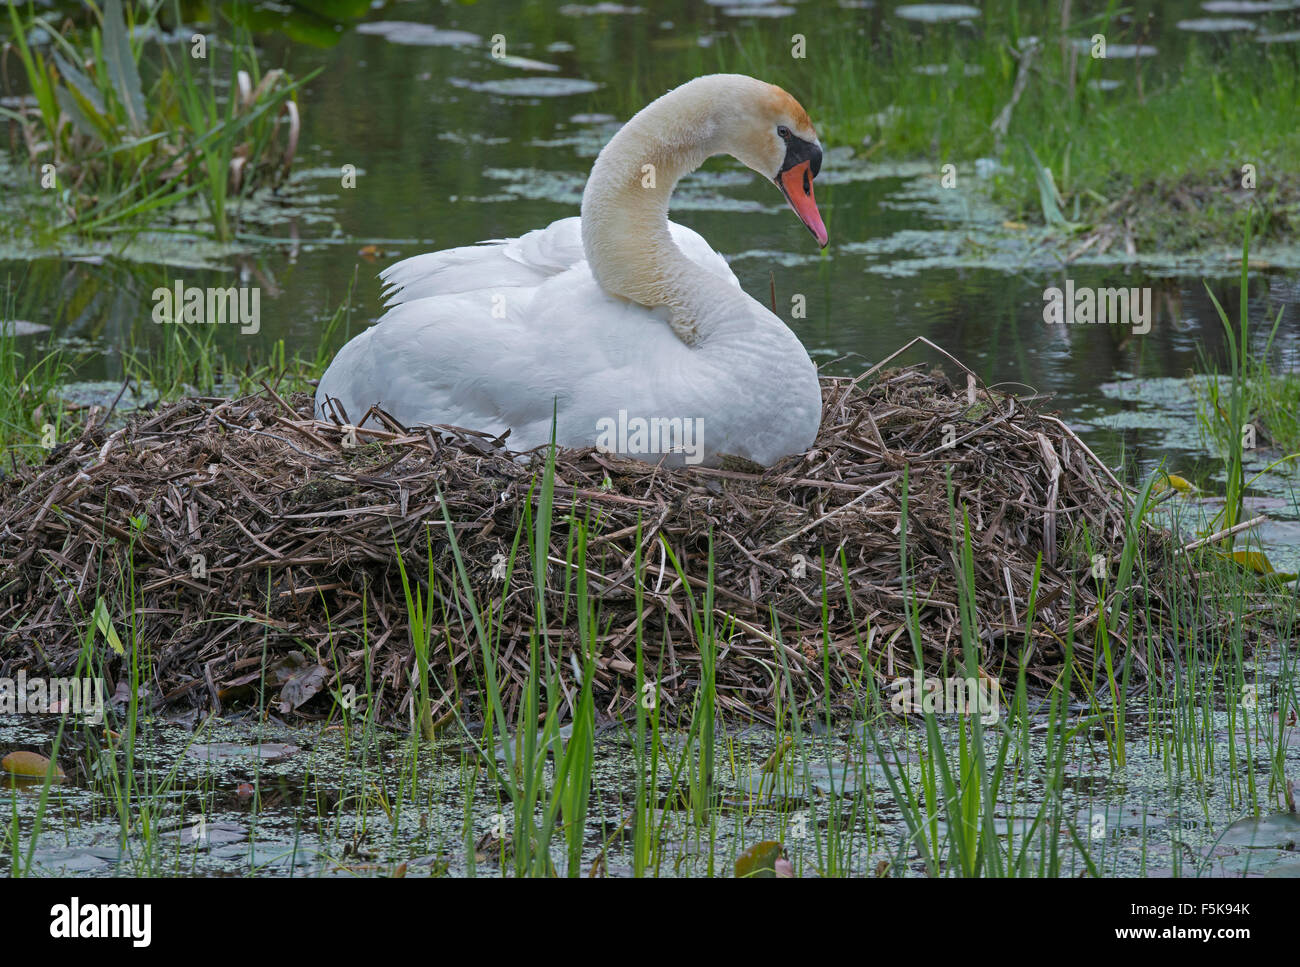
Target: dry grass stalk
[{"x": 294, "y": 530}]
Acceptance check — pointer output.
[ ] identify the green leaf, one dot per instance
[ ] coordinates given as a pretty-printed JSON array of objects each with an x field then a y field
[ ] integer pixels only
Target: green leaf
[
  {"x": 122, "y": 71},
  {"x": 79, "y": 82},
  {"x": 104, "y": 625},
  {"x": 71, "y": 105},
  {"x": 759, "y": 861},
  {"x": 1255, "y": 561},
  {"x": 1049, "y": 197},
  {"x": 38, "y": 78},
  {"x": 1181, "y": 484}
]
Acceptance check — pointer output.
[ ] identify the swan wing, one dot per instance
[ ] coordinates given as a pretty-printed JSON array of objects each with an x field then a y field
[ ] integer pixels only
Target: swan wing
[
  {"x": 528, "y": 260},
  {"x": 470, "y": 360},
  {"x": 459, "y": 342}
]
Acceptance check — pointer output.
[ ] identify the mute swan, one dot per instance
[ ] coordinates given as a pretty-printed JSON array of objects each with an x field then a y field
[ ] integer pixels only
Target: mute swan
[{"x": 628, "y": 328}]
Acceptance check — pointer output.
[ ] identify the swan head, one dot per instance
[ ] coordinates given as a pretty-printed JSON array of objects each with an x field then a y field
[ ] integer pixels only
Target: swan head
[{"x": 772, "y": 135}]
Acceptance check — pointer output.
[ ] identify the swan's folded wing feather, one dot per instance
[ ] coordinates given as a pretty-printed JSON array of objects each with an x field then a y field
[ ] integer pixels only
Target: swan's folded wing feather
[
  {"x": 695, "y": 248},
  {"x": 460, "y": 341},
  {"x": 528, "y": 260},
  {"x": 455, "y": 359}
]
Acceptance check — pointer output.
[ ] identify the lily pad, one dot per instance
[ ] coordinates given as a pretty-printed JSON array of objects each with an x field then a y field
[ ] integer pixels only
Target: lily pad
[
  {"x": 759, "y": 861},
  {"x": 939, "y": 70},
  {"x": 1216, "y": 25},
  {"x": 227, "y": 751},
  {"x": 1174, "y": 481},
  {"x": 597, "y": 9},
  {"x": 205, "y": 834},
  {"x": 530, "y": 86},
  {"x": 1279, "y": 831},
  {"x": 412, "y": 34},
  {"x": 1116, "y": 51},
  {"x": 839, "y": 778},
  {"x": 934, "y": 13},
  {"x": 21, "y": 327},
  {"x": 525, "y": 63},
  {"x": 758, "y": 11},
  {"x": 1245, "y": 6},
  {"x": 82, "y": 859}
]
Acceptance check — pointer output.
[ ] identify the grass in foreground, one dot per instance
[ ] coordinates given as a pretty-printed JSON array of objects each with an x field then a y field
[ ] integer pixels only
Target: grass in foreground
[{"x": 529, "y": 795}]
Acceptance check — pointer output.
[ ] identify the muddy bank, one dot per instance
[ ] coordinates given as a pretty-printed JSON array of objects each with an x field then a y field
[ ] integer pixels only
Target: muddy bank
[{"x": 215, "y": 531}]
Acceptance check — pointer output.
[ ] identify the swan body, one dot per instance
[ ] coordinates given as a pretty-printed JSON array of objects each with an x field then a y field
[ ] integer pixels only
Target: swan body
[{"x": 627, "y": 331}]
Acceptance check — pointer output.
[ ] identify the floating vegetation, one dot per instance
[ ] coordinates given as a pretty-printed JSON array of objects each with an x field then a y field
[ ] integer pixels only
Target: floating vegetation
[
  {"x": 21, "y": 327},
  {"x": 759, "y": 10},
  {"x": 238, "y": 526},
  {"x": 529, "y": 86},
  {"x": 1146, "y": 228},
  {"x": 412, "y": 34},
  {"x": 939, "y": 70},
  {"x": 598, "y": 9},
  {"x": 30, "y": 765},
  {"x": 1216, "y": 25},
  {"x": 525, "y": 63},
  {"x": 1084, "y": 45},
  {"x": 934, "y": 13},
  {"x": 1246, "y": 6},
  {"x": 1180, "y": 188}
]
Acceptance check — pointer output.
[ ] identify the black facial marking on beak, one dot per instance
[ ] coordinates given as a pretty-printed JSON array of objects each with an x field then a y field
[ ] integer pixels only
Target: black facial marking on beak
[
  {"x": 798, "y": 150},
  {"x": 803, "y": 159}
]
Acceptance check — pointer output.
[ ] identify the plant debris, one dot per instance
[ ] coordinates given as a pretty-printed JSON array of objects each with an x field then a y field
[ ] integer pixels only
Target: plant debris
[{"x": 244, "y": 545}]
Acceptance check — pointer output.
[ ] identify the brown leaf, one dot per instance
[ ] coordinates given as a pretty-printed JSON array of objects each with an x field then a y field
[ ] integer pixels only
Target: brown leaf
[
  {"x": 760, "y": 861},
  {"x": 29, "y": 764},
  {"x": 304, "y": 683}
]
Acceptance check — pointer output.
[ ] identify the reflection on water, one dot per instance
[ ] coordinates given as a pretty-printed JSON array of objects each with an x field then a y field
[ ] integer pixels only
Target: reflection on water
[
  {"x": 452, "y": 146},
  {"x": 240, "y": 799}
]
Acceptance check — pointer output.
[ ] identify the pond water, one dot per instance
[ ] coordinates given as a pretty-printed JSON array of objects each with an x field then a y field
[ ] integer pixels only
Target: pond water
[
  {"x": 235, "y": 798},
  {"x": 450, "y": 147}
]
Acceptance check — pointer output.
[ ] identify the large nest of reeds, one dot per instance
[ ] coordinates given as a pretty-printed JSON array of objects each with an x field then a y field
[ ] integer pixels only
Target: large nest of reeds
[{"x": 214, "y": 532}]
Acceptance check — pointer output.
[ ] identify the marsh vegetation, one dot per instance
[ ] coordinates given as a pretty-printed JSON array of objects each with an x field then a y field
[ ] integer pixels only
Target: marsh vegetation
[{"x": 583, "y": 679}]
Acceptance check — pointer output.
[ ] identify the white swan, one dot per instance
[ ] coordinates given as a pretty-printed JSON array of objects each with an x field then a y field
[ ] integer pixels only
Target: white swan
[{"x": 630, "y": 329}]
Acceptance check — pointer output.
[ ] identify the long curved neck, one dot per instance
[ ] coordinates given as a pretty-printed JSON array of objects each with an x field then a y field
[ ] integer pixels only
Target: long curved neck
[{"x": 625, "y": 204}]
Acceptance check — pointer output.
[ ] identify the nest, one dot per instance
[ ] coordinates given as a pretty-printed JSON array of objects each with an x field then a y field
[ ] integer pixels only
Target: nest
[{"x": 245, "y": 543}]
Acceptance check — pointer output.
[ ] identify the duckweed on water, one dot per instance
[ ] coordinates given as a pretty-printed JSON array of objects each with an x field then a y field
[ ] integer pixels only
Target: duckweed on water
[{"x": 353, "y": 801}]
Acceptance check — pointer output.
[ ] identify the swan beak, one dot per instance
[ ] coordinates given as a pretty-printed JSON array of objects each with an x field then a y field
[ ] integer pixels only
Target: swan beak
[{"x": 796, "y": 183}]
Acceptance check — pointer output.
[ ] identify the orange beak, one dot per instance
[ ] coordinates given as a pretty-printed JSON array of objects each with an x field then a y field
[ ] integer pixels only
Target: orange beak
[{"x": 796, "y": 183}]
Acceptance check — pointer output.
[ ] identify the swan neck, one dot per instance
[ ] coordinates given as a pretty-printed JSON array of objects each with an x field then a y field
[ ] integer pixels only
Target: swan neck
[{"x": 625, "y": 206}]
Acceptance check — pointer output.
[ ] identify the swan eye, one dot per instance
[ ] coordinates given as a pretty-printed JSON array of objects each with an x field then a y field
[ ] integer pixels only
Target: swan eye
[{"x": 784, "y": 132}]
